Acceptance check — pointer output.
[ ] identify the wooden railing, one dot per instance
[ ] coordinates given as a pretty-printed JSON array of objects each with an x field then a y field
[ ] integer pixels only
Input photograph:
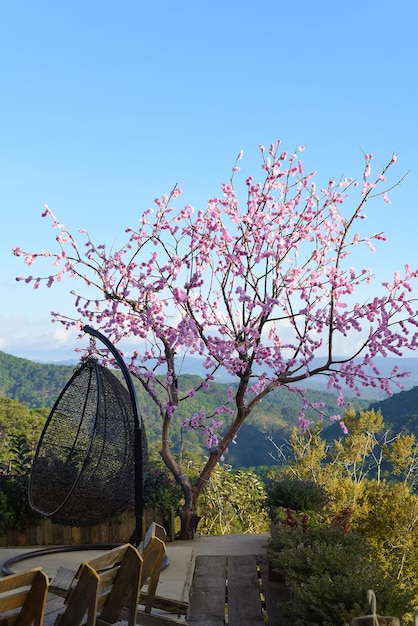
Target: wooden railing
[{"x": 116, "y": 530}]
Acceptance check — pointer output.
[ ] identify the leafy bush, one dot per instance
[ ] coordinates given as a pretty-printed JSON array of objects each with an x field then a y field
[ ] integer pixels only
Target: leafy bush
[
  {"x": 161, "y": 492},
  {"x": 233, "y": 502},
  {"x": 329, "y": 572},
  {"x": 388, "y": 519},
  {"x": 296, "y": 494},
  {"x": 15, "y": 509}
]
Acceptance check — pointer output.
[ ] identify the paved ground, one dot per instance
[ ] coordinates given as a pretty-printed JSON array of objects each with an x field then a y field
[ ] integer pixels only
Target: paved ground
[{"x": 175, "y": 579}]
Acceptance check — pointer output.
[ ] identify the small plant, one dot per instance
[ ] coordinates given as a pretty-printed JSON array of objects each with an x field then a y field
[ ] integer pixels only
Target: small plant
[
  {"x": 20, "y": 454},
  {"x": 15, "y": 510}
]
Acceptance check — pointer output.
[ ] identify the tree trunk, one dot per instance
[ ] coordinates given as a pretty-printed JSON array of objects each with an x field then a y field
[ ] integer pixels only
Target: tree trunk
[{"x": 189, "y": 521}]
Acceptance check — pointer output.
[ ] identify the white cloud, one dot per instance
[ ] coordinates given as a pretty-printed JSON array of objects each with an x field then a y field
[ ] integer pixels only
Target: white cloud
[{"x": 37, "y": 340}]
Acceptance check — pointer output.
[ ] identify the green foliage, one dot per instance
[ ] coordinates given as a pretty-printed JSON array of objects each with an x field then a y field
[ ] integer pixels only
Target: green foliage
[
  {"x": 233, "y": 502},
  {"x": 305, "y": 454},
  {"x": 388, "y": 517},
  {"x": 19, "y": 451},
  {"x": 329, "y": 572},
  {"x": 296, "y": 494},
  {"x": 16, "y": 418},
  {"x": 342, "y": 466},
  {"x": 161, "y": 492},
  {"x": 18, "y": 422},
  {"x": 400, "y": 410},
  {"x": 5, "y": 514},
  {"x": 15, "y": 511},
  {"x": 14, "y": 504},
  {"x": 375, "y": 545}
]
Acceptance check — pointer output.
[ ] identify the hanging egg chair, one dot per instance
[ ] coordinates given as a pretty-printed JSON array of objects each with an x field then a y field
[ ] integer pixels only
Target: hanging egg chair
[{"x": 88, "y": 466}]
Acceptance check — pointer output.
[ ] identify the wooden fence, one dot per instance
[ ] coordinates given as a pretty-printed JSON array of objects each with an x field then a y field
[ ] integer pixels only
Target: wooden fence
[{"x": 116, "y": 530}]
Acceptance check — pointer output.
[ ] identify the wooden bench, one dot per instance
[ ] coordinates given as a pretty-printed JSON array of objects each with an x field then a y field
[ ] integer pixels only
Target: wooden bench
[
  {"x": 98, "y": 595},
  {"x": 226, "y": 590},
  {"x": 22, "y": 598},
  {"x": 152, "y": 553}
]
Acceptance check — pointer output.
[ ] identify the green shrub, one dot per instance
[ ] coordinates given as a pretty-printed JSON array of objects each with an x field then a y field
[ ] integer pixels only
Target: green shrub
[
  {"x": 296, "y": 494},
  {"x": 161, "y": 492},
  {"x": 329, "y": 572},
  {"x": 15, "y": 509},
  {"x": 233, "y": 502}
]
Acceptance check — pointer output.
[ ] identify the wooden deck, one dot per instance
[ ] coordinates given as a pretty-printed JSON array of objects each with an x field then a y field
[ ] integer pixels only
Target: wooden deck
[
  {"x": 225, "y": 579},
  {"x": 225, "y": 591},
  {"x": 234, "y": 591}
]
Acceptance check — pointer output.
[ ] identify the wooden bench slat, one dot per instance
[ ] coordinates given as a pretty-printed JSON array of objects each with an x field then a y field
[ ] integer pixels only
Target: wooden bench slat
[
  {"x": 212, "y": 575},
  {"x": 276, "y": 594},
  {"x": 207, "y": 595},
  {"x": 23, "y": 597},
  {"x": 54, "y": 606},
  {"x": 244, "y": 601},
  {"x": 170, "y": 605}
]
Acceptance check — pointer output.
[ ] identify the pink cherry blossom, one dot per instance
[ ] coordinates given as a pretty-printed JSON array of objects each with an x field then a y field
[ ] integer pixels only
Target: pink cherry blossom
[{"x": 258, "y": 288}]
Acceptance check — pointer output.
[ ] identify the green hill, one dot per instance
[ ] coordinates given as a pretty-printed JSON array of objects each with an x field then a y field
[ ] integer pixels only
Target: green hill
[
  {"x": 34, "y": 384},
  {"x": 400, "y": 411},
  {"x": 37, "y": 386}
]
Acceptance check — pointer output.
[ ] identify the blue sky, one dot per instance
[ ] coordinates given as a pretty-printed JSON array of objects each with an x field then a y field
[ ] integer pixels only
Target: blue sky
[{"x": 106, "y": 105}]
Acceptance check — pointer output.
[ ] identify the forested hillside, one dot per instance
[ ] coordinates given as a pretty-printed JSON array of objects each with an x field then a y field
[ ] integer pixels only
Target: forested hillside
[
  {"x": 34, "y": 384},
  {"x": 400, "y": 410},
  {"x": 37, "y": 386}
]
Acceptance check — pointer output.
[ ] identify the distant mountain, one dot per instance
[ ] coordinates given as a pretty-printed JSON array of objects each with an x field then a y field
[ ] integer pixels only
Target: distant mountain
[
  {"x": 194, "y": 365},
  {"x": 385, "y": 366},
  {"x": 38, "y": 385},
  {"x": 400, "y": 411},
  {"x": 34, "y": 384}
]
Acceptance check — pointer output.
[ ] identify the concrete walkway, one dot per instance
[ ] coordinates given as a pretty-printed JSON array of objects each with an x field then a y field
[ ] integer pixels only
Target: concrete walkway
[{"x": 175, "y": 580}]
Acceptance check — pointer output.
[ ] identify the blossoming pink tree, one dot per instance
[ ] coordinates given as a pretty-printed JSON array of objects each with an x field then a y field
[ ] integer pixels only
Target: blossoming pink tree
[{"x": 260, "y": 289}]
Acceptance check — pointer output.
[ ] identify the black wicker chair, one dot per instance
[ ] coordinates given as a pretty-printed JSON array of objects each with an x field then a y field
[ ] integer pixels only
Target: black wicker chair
[{"x": 84, "y": 467}]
